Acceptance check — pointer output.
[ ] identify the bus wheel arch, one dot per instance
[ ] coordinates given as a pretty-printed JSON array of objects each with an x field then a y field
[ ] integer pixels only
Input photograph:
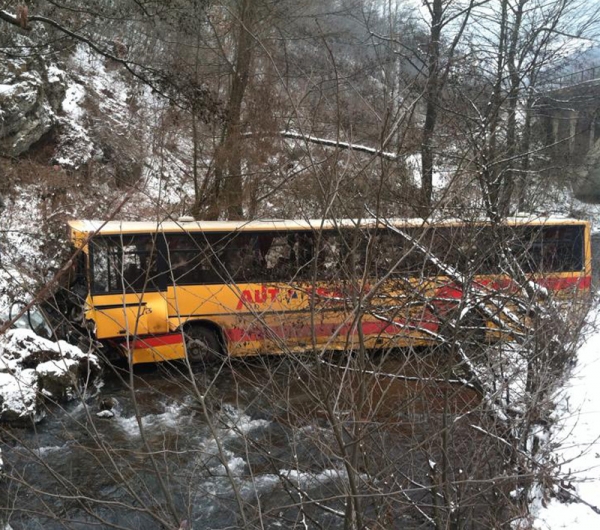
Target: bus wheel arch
[{"x": 204, "y": 341}]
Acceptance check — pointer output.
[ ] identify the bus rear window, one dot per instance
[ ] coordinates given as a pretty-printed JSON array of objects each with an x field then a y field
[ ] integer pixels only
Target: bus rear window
[{"x": 549, "y": 248}]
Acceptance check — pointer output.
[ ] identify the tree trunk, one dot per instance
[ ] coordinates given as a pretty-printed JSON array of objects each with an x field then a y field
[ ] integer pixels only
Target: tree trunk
[
  {"x": 508, "y": 181},
  {"x": 433, "y": 95},
  {"x": 229, "y": 159}
]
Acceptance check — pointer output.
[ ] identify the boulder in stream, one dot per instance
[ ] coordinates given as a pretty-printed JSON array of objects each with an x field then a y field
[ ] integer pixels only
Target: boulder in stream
[{"x": 33, "y": 369}]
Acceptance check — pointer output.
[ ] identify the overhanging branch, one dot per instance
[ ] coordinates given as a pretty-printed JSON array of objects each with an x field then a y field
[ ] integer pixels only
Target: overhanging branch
[
  {"x": 387, "y": 155},
  {"x": 11, "y": 19}
]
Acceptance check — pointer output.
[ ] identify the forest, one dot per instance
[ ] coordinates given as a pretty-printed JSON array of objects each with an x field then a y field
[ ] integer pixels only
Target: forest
[{"x": 450, "y": 113}]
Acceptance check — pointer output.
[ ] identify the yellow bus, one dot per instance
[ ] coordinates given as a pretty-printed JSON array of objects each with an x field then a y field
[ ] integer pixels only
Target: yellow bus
[{"x": 198, "y": 289}]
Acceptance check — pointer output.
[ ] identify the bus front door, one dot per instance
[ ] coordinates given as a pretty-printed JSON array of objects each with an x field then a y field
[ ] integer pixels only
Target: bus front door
[
  {"x": 129, "y": 315},
  {"x": 128, "y": 291}
]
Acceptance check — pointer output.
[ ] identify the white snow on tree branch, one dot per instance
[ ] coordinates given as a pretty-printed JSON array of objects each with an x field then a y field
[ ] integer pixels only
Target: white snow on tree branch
[{"x": 337, "y": 144}]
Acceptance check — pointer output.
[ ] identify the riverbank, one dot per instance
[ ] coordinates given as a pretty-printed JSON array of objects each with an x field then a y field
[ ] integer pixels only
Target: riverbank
[{"x": 577, "y": 441}]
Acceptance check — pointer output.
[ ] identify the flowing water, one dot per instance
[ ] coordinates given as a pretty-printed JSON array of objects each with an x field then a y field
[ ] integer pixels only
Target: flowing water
[{"x": 249, "y": 444}]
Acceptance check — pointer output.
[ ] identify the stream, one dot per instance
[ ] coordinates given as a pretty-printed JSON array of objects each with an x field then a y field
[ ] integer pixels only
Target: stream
[{"x": 276, "y": 464}]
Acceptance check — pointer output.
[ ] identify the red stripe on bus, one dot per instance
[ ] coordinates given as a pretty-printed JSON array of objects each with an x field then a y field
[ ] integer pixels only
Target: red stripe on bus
[
  {"x": 153, "y": 342},
  {"x": 327, "y": 330},
  {"x": 558, "y": 284},
  {"x": 452, "y": 290},
  {"x": 428, "y": 322}
]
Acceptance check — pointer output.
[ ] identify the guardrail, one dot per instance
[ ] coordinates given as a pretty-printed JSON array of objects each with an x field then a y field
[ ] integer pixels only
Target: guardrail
[{"x": 575, "y": 78}]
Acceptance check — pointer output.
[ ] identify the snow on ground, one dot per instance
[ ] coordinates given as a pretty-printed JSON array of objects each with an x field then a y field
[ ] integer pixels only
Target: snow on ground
[{"x": 578, "y": 453}]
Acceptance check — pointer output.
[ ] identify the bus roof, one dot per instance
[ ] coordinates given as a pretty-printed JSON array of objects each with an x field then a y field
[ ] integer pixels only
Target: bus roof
[{"x": 87, "y": 227}]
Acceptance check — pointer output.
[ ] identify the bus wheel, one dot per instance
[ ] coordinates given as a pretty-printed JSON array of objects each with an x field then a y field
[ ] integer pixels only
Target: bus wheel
[{"x": 202, "y": 344}]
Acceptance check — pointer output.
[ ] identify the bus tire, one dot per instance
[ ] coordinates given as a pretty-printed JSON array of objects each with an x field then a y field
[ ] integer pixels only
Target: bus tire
[{"x": 202, "y": 344}]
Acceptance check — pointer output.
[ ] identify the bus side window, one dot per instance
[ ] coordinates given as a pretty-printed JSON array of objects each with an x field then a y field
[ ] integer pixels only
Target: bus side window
[
  {"x": 100, "y": 272},
  {"x": 303, "y": 254},
  {"x": 520, "y": 241},
  {"x": 140, "y": 263},
  {"x": 242, "y": 258},
  {"x": 389, "y": 254},
  {"x": 329, "y": 255},
  {"x": 125, "y": 264},
  {"x": 487, "y": 254},
  {"x": 190, "y": 259},
  {"x": 352, "y": 252},
  {"x": 562, "y": 249},
  {"x": 132, "y": 268},
  {"x": 288, "y": 256},
  {"x": 446, "y": 246},
  {"x": 572, "y": 247},
  {"x": 278, "y": 259}
]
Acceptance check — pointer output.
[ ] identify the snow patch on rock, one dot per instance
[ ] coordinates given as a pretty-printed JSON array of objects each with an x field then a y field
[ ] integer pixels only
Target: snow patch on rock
[
  {"x": 33, "y": 368},
  {"x": 30, "y": 95},
  {"x": 71, "y": 105},
  {"x": 18, "y": 395}
]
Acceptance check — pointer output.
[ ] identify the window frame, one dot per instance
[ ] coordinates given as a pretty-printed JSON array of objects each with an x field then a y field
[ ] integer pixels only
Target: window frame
[
  {"x": 159, "y": 285},
  {"x": 223, "y": 240}
]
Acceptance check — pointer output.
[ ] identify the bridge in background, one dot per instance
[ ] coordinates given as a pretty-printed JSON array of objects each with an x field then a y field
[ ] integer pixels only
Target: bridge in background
[
  {"x": 567, "y": 117},
  {"x": 580, "y": 77}
]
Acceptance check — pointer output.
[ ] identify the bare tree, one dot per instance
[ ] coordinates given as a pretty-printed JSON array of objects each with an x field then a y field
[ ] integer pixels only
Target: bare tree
[{"x": 445, "y": 432}]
